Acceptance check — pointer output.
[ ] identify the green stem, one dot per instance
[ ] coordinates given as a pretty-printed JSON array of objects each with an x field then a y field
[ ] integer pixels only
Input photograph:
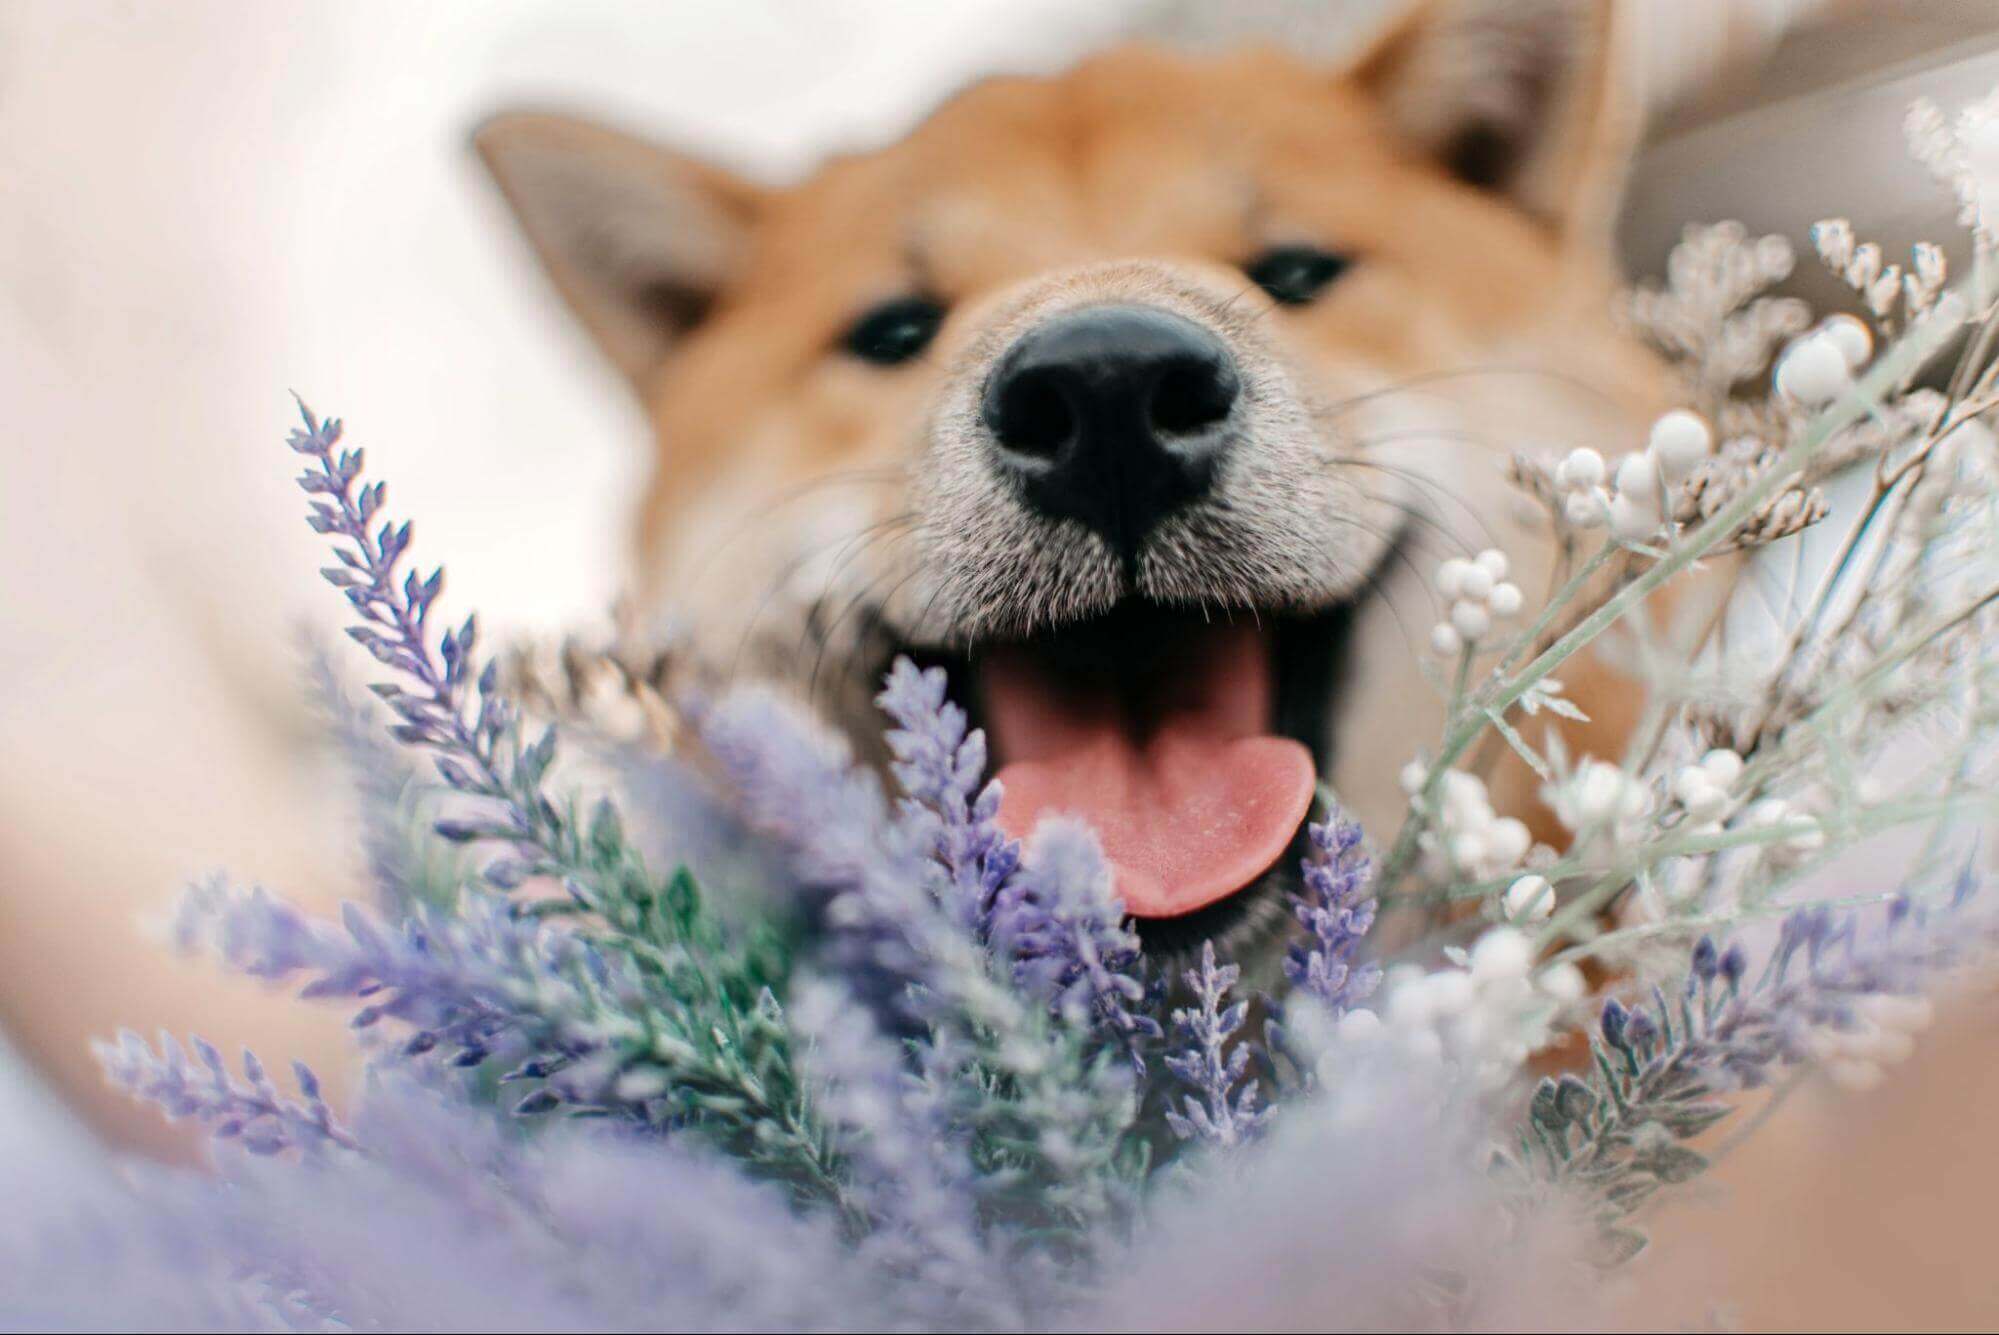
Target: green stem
[{"x": 1501, "y": 692}]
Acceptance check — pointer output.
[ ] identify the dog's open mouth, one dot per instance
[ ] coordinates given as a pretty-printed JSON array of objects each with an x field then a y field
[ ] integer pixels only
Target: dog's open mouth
[
  {"x": 1190, "y": 740},
  {"x": 1157, "y": 730}
]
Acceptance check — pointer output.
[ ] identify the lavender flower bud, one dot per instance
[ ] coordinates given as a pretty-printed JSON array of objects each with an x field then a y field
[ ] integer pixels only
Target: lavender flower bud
[
  {"x": 1734, "y": 964},
  {"x": 1615, "y": 1018},
  {"x": 1641, "y": 1030}
]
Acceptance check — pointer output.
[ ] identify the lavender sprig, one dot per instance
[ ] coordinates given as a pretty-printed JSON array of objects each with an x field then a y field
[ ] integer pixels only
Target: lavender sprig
[
  {"x": 1065, "y": 930},
  {"x": 1055, "y": 917},
  {"x": 592, "y": 1033},
  {"x": 1043, "y": 1113},
  {"x": 449, "y": 705},
  {"x": 249, "y": 1111},
  {"x": 1662, "y": 1068},
  {"x": 1337, "y": 909},
  {"x": 910, "y": 1181},
  {"x": 1222, "y": 1110},
  {"x": 706, "y": 1001},
  {"x": 941, "y": 767}
]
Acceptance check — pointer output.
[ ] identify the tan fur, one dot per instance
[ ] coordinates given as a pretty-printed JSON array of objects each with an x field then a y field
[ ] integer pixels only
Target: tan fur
[{"x": 787, "y": 473}]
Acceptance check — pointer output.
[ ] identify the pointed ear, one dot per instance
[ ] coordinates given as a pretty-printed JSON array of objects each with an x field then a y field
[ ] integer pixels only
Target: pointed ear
[
  {"x": 1532, "y": 99},
  {"x": 639, "y": 240}
]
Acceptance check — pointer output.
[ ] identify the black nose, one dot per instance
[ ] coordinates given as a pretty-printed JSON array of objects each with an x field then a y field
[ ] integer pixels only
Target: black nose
[{"x": 1114, "y": 415}]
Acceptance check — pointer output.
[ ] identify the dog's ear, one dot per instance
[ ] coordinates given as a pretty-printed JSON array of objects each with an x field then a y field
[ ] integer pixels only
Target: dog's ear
[
  {"x": 1533, "y": 99},
  {"x": 639, "y": 240}
]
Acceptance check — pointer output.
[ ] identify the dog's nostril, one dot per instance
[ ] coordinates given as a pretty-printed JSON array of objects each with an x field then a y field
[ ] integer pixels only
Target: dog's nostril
[
  {"x": 1113, "y": 415},
  {"x": 1191, "y": 396},
  {"x": 1033, "y": 415}
]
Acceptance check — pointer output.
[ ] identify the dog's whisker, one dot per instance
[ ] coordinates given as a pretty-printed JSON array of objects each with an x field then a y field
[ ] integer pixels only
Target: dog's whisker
[
  {"x": 1422, "y": 380},
  {"x": 789, "y": 570}
]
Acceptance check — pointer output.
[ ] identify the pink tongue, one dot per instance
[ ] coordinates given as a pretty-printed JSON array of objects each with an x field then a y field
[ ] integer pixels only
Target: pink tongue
[{"x": 1192, "y": 799}]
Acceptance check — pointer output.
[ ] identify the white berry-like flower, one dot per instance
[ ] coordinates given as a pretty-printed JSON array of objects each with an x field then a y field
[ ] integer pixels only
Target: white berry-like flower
[
  {"x": 1471, "y": 619},
  {"x": 1468, "y": 837},
  {"x": 1679, "y": 442},
  {"x": 1850, "y": 335},
  {"x": 1599, "y": 794},
  {"x": 1580, "y": 469},
  {"x": 1634, "y": 520},
  {"x": 1506, "y": 842},
  {"x": 1413, "y": 776},
  {"x": 1484, "y": 1014},
  {"x": 1476, "y": 584},
  {"x": 1638, "y": 478},
  {"x": 1702, "y": 788},
  {"x": 1564, "y": 982},
  {"x": 1815, "y": 371},
  {"x": 1501, "y": 955},
  {"x": 1586, "y": 507},
  {"x": 1529, "y": 899},
  {"x": 1638, "y": 510},
  {"x": 1476, "y": 594},
  {"x": 1723, "y": 765}
]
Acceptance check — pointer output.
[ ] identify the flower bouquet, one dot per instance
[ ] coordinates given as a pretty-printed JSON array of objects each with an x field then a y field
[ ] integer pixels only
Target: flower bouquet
[{"x": 741, "y": 1034}]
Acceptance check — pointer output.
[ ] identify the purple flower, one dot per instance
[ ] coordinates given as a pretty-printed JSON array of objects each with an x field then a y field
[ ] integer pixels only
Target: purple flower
[
  {"x": 1337, "y": 912},
  {"x": 1065, "y": 930},
  {"x": 249, "y": 1111},
  {"x": 946, "y": 801},
  {"x": 1663, "y": 1066},
  {"x": 1222, "y": 1110}
]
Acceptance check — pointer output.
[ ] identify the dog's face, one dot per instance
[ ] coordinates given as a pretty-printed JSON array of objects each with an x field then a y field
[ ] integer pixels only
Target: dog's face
[{"x": 1133, "y": 395}]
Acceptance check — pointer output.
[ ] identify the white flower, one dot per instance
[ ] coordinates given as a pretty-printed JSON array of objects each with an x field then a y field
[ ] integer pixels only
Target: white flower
[
  {"x": 1476, "y": 593},
  {"x": 1815, "y": 370},
  {"x": 1851, "y": 336},
  {"x": 1679, "y": 442},
  {"x": 1635, "y": 519},
  {"x": 1702, "y": 789},
  {"x": 1586, "y": 508},
  {"x": 1468, "y": 837},
  {"x": 1501, "y": 954},
  {"x": 1413, "y": 776},
  {"x": 1599, "y": 794},
  {"x": 1581, "y": 469},
  {"x": 1529, "y": 899},
  {"x": 1484, "y": 1014}
]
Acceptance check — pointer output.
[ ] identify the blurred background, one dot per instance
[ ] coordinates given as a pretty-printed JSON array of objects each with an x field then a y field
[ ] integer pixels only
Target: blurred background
[{"x": 204, "y": 205}]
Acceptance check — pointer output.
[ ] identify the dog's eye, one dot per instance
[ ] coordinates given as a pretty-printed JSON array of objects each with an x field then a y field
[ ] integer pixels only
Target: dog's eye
[
  {"x": 1295, "y": 275},
  {"x": 894, "y": 331}
]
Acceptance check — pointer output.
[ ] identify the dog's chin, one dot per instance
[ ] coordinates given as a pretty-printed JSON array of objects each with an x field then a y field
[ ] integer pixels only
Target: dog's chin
[{"x": 1124, "y": 720}]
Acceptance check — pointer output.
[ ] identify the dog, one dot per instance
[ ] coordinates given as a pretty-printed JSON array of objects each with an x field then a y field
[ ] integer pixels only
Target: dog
[{"x": 1144, "y": 397}]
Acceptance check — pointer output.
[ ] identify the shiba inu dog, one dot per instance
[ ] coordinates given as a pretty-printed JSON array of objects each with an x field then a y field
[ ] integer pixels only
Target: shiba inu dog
[{"x": 1144, "y": 397}]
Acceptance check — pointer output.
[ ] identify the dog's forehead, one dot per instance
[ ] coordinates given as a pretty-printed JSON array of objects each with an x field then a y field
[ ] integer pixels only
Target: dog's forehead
[{"x": 1134, "y": 152}]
